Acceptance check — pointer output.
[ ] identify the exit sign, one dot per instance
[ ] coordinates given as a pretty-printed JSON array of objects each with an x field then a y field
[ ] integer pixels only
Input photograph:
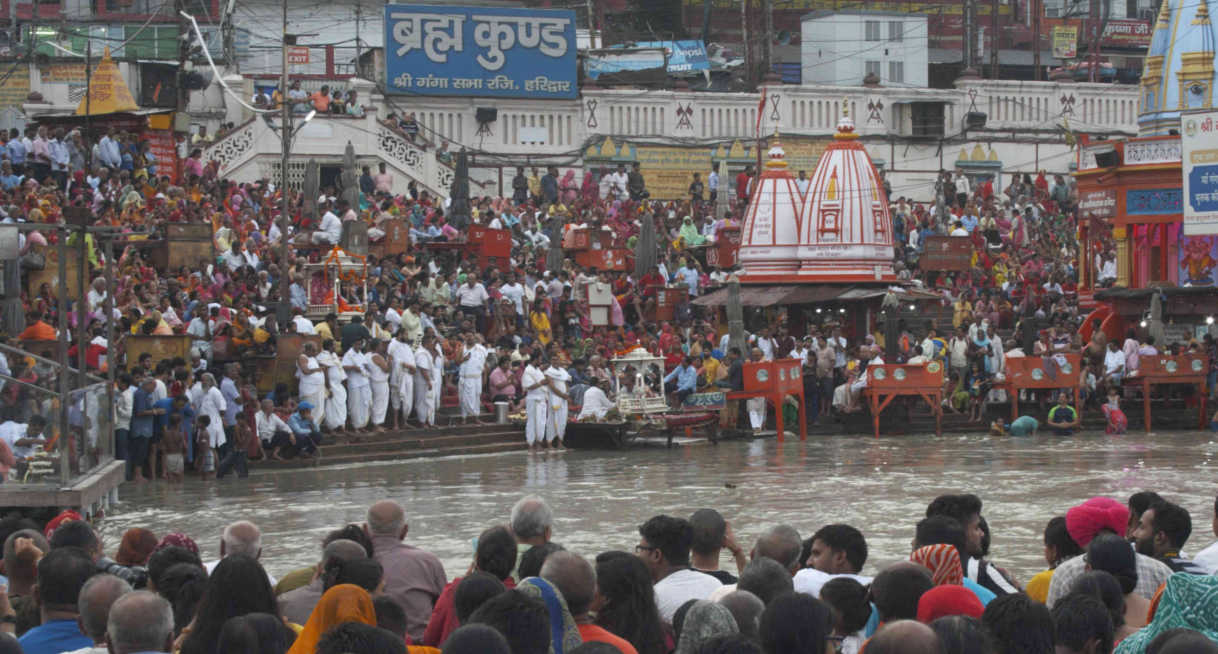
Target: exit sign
[{"x": 298, "y": 55}]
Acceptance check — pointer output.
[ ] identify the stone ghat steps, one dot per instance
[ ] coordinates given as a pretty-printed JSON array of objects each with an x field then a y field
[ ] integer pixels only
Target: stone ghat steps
[{"x": 411, "y": 443}]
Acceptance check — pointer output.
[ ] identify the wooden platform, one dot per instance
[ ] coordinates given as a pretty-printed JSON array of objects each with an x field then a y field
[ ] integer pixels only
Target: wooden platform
[{"x": 89, "y": 495}]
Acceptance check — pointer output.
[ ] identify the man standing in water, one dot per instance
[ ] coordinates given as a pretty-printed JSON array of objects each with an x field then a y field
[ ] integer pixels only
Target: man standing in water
[
  {"x": 472, "y": 366},
  {"x": 756, "y": 405},
  {"x": 556, "y": 417},
  {"x": 535, "y": 382}
]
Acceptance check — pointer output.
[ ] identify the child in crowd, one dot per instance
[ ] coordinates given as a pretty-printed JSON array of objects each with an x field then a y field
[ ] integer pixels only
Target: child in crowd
[
  {"x": 173, "y": 446},
  {"x": 1117, "y": 422},
  {"x": 236, "y": 458},
  {"x": 205, "y": 457}
]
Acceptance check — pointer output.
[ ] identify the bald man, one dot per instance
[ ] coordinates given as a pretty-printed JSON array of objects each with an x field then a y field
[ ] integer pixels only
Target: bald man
[
  {"x": 905, "y": 637},
  {"x": 296, "y": 605},
  {"x": 782, "y": 544},
  {"x": 241, "y": 537},
  {"x": 413, "y": 578},
  {"x": 575, "y": 578},
  {"x": 96, "y": 597},
  {"x": 140, "y": 621}
]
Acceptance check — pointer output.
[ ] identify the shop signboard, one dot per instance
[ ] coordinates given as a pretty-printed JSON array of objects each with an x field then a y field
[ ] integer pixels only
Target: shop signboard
[{"x": 1199, "y": 141}]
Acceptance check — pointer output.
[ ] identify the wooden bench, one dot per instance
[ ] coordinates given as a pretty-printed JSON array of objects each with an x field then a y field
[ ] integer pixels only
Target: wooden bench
[
  {"x": 888, "y": 381},
  {"x": 1166, "y": 369},
  {"x": 1034, "y": 373},
  {"x": 774, "y": 380}
]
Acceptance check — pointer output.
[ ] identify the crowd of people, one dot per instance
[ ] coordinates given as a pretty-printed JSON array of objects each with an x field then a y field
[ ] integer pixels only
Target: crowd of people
[
  {"x": 437, "y": 327},
  {"x": 1117, "y": 581}
]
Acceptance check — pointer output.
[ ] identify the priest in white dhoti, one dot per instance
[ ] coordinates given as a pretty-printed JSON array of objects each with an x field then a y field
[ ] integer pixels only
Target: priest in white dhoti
[
  {"x": 312, "y": 381},
  {"x": 437, "y": 373},
  {"x": 336, "y": 401},
  {"x": 359, "y": 389},
  {"x": 536, "y": 402},
  {"x": 473, "y": 364},
  {"x": 557, "y": 397},
  {"x": 401, "y": 378},
  {"x": 378, "y": 376},
  {"x": 423, "y": 380}
]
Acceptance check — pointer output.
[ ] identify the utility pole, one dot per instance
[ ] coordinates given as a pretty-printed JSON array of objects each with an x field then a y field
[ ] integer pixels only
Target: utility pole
[
  {"x": 179, "y": 89},
  {"x": 994, "y": 39},
  {"x": 767, "y": 21},
  {"x": 1099, "y": 22},
  {"x": 1037, "y": 12},
  {"x": 744, "y": 40},
  {"x": 358, "y": 14},
  {"x": 226, "y": 30},
  {"x": 967, "y": 8},
  {"x": 591, "y": 25},
  {"x": 88, "y": 103},
  {"x": 284, "y": 312}
]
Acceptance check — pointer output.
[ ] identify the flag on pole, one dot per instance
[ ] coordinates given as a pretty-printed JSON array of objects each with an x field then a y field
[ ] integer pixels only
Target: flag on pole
[{"x": 760, "y": 111}]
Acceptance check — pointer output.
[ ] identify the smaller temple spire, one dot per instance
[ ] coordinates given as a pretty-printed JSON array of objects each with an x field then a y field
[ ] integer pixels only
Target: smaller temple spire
[
  {"x": 777, "y": 156},
  {"x": 845, "y": 125}
]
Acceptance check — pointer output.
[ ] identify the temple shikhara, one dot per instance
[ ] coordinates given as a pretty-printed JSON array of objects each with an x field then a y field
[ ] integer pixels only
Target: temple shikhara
[{"x": 840, "y": 232}]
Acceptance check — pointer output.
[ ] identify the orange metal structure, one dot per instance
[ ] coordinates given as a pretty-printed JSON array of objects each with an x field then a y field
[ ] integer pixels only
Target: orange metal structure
[
  {"x": 774, "y": 380},
  {"x": 1167, "y": 369},
  {"x": 1032, "y": 373},
  {"x": 889, "y": 381}
]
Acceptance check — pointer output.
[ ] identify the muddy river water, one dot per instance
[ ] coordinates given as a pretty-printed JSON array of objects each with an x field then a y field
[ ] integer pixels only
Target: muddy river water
[{"x": 881, "y": 486}]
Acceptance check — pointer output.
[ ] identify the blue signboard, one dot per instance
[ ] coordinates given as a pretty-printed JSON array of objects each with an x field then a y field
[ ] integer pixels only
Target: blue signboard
[
  {"x": 480, "y": 51},
  {"x": 1203, "y": 188},
  {"x": 1152, "y": 202}
]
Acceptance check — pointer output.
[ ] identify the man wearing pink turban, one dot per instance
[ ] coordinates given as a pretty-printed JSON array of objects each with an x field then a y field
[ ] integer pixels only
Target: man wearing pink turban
[{"x": 1084, "y": 522}]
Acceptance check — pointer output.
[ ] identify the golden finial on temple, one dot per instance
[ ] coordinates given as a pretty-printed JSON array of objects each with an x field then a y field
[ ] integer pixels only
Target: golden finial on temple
[{"x": 845, "y": 106}]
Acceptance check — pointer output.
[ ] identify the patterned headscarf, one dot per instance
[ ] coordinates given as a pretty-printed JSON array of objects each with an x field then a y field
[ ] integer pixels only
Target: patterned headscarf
[
  {"x": 178, "y": 540},
  {"x": 564, "y": 634},
  {"x": 1188, "y": 602},
  {"x": 704, "y": 621},
  {"x": 943, "y": 561}
]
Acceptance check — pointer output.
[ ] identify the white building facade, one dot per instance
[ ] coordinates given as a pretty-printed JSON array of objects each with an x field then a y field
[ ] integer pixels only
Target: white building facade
[{"x": 843, "y": 47}]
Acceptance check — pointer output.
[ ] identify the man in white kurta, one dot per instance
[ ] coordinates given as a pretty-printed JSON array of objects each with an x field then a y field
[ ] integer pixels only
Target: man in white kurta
[
  {"x": 209, "y": 401},
  {"x": 401, "y": 378},
  {"x": 378, "y": 376},
  {"x": 556, "y": 419},
  {"x": 423, "y": 380},
  {"x": 312, "y": 381},
  {"x": 359, "y": 388},
  {"x": 336, "y": 403},
  {"x": 536, "y": 400},
  {"x": 470, "y": 388}
]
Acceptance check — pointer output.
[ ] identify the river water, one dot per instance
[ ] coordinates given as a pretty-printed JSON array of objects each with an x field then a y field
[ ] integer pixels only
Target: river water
[{"x": 881, "y": 486}]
